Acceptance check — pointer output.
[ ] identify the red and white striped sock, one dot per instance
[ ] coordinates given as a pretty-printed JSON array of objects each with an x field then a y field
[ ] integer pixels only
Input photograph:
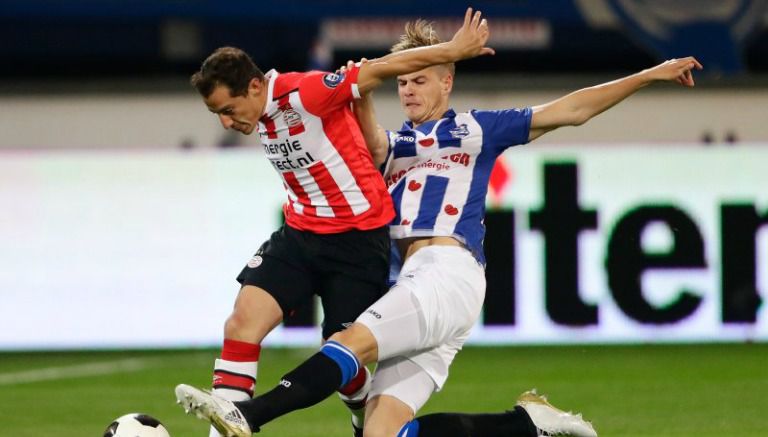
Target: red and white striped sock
[
  {"x": 355, "y": 395},
  {"x": 234, "y": 374}
]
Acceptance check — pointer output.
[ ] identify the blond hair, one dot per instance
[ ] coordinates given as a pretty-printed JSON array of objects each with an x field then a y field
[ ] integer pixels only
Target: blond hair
[{"x": 420, "y": 33}]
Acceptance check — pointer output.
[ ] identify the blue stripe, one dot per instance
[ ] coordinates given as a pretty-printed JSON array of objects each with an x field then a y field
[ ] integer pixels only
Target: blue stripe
[
  {"x": 397, "y": 199},
  {"x": 505, "y": 127},
  {"x": 410, "y": 429},
  {"x": 470, "y": 225},
  {"x": 405, "y": 144},
  {"x": 346, "y": 360},
  {"x": 444, "y": 136},
  {"x": 431, "y": 201}
]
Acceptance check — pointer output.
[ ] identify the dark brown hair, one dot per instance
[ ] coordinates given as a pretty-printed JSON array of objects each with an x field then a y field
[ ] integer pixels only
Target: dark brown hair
[
  {"x": 228, "y": 66},
  {"x": 420, "y": 33}
]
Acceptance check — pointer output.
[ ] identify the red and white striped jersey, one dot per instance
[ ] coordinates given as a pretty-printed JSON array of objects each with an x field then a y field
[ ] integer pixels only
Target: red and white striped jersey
[{"x": 312, "y": 139}]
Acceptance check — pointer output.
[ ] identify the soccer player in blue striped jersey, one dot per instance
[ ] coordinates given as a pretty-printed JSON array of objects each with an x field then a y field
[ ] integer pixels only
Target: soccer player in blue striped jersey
[{"x": 437, "y": 167}]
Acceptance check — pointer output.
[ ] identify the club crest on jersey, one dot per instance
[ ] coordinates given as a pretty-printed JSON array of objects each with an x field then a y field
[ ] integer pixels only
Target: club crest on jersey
[
  {"x": 291, "y": 118},
  {"x": 332, "y": 80},
  {"x": 255, "y": 261},
  {"x": 459, "y": 131}
]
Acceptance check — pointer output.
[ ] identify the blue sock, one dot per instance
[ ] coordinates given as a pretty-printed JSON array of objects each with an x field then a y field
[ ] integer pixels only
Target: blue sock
[
  {"x": 410, "y": 429},
  {"x": 344, "y": 358}
]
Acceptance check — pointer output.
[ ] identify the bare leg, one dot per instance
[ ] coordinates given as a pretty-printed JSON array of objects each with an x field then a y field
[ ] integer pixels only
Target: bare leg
[
  {"x": 256, "y": 313},
  {"x": 385, "y": 416}
]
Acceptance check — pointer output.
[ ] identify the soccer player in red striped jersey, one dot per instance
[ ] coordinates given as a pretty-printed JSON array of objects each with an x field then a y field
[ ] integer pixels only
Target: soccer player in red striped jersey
[{"x": 335, "y": 241}]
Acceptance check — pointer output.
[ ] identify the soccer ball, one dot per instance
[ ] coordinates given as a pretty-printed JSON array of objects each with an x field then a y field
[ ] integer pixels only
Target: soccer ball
[{"x": 136, "y": 425}]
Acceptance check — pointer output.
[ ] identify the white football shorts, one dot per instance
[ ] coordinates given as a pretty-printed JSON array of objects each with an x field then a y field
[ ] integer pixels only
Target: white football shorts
[{"x": 425, "y": 318}]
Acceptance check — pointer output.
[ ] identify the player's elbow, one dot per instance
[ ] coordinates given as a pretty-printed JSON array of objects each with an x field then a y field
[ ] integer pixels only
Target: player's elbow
[
  {"x": 553, "y": 116},
  {"x": 579, "y": 122},
  {"x": 578, "y": 117},
  {"x": 379, "y": 157}
]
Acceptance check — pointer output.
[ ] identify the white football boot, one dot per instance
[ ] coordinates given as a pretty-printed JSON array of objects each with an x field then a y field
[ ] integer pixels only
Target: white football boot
[
  {"x": 550, "y": 421},
  {"x": 223, "y": 414}
]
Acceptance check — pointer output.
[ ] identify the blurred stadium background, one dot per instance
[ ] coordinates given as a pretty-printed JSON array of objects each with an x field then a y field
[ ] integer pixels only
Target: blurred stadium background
[{"x": 628, "y": 258}]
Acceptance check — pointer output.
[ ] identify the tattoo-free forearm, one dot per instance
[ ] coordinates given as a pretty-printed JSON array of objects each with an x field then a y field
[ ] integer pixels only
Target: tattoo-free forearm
[
  {"x": 589, "y": 102},
  {"x": 375, "y": 71},
  {"x": 373, "y": 133}
]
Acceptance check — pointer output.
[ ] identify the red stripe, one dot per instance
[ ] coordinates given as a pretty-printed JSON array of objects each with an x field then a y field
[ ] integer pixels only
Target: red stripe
[
  {"x": 297, "y": 189},
  {"x": 297, "y": 129},
  {"x": 242, "y": 382},
  {"x": 345, "y": 136},
  {"x": 331, "y": 191},
  {"x": 355, "y": 384},
  {"x": 269, "y": 124},
  {"x": 241, "y": 351},
  {"x": 284, "y": 104}
]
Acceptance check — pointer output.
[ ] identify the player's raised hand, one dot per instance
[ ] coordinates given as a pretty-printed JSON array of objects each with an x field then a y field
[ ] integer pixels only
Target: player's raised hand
[
  {"x": 350, "y": 65},
  {"x": 678, "y": 70},
  {"x": 470, "y": 39}
]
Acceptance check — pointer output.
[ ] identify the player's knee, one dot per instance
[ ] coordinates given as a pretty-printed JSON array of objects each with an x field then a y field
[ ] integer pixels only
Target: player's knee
[
  {"x": 358, "y": 339},
  {"x": 255, "y": 314},
  {"x": 249, "y": 326},
  {"x": 235, "y": 325}
]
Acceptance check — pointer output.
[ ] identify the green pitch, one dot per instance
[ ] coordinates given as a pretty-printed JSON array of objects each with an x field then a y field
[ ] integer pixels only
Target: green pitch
[{"x": 669, "y": 390}]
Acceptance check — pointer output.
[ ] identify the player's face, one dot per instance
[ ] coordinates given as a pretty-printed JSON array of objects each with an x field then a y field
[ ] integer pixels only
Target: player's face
[
  {"x": 424, "y": 94},
  {"x": 240, "y": 113}
]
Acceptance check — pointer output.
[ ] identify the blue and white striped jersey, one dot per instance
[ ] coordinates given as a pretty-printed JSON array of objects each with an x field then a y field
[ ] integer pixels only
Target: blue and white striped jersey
[{"x": 438, "y": 172}]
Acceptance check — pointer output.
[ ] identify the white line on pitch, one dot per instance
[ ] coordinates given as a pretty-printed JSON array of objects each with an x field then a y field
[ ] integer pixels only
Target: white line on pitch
[{"x": 74, "y": 371}]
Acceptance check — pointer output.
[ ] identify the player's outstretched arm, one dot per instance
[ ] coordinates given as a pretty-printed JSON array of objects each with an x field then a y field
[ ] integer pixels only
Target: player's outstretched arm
[
  {"x": 580, "y": 106},
  {"x": 468, "y": 42},
  {"x": 374, "y": 134}
]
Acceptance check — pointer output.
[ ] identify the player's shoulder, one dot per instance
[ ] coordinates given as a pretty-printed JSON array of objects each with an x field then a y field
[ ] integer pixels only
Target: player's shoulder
[
  {"x": 494, "y": 115},
  {"x": 310, "y": 80},
  {"x": 288, "y": 82}
]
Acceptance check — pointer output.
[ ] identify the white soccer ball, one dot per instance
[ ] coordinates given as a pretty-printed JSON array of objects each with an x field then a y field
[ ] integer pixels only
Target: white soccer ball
[{"x": 136, "y": 425}]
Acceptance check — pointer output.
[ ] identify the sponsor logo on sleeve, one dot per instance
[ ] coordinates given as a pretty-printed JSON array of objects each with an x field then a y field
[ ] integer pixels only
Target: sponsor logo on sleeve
[{"x": 332, "y": 80}]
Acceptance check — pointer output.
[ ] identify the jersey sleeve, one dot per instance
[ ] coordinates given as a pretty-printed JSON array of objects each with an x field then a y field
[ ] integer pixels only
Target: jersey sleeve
[
  {"x": 504, "y": 128},
  {"x": 323, "y": 92}
]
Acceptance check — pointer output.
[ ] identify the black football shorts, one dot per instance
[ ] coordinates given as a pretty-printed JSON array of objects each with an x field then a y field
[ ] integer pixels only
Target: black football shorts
[{"x": 348, "y": 270}]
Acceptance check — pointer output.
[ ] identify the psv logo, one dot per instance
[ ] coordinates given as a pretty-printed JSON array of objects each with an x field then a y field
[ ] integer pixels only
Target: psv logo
[
  {"x": 255, "y": 261},
  {"x": 291, "y": 118}
]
